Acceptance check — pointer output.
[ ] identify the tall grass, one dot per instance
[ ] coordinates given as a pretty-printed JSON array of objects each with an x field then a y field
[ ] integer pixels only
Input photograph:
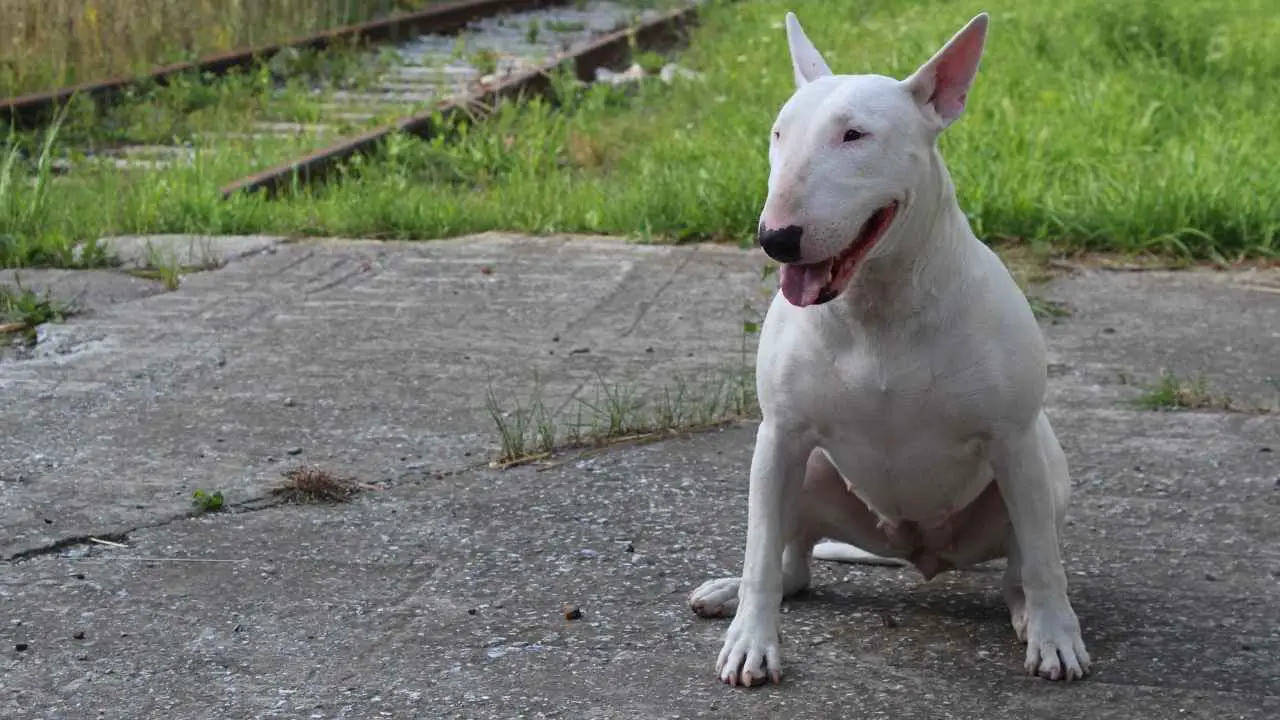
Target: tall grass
[
  {"x": 24, "y": 204},
  {"x": 1092, "y": 125},
  {"x": 45, "y": 44}
]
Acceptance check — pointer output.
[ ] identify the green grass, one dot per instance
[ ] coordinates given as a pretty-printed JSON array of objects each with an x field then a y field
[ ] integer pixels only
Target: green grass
[
  {"x": 1171, "y": 392},
  {"x": 206, "y": 502},
  {"x": 1093, "y": 125},
  {"x": 620, "y": 412},
  {"x": 22, "y": 310}
]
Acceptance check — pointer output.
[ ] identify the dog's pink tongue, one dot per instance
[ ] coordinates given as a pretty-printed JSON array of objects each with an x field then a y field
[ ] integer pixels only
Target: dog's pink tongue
[{"x": 801, "y": 284}]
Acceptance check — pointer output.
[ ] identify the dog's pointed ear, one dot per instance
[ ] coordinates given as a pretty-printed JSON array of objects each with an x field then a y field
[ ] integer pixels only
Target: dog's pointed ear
[
  {"x": 942, "y": 84},
  {"x": 806, "y": 61}
]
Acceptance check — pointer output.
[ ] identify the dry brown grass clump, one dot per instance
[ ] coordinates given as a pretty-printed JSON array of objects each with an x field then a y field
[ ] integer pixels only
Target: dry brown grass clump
[
  {"x": 46, "y": 44},
  {"x": 313, "y": 485}
]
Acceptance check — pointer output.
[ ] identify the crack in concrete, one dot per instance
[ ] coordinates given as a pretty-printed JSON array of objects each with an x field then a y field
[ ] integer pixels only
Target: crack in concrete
[{"x": 250, "y": 505}]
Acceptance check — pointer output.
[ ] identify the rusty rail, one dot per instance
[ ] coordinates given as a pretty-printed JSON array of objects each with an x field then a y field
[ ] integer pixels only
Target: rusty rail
[
  {"x": 33, "y": 110},
  {"x": 610, "y": 50}
]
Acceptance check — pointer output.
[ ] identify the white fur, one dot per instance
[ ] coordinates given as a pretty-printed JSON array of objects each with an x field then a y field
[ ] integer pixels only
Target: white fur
[{"x": 905, "y": 417}]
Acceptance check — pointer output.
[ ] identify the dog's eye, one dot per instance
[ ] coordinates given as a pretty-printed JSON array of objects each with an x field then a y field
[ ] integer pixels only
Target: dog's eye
[
  {"x": 851, "y": 135},
  {"x": 777, "y": 135}
]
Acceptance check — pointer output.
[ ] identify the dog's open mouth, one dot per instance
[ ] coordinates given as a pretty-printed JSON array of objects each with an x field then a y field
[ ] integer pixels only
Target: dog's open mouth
[{"x": 820, "y": 282}]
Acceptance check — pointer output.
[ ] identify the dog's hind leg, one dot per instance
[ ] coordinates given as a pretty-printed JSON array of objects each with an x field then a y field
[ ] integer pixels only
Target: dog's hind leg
[{"x": 719, "y": 597}]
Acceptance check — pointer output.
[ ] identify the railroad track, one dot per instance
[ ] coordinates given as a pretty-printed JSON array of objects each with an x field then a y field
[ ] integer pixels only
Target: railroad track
[
  {"x": 454, "y": 59},
  {"x": 33, "y": 110}
]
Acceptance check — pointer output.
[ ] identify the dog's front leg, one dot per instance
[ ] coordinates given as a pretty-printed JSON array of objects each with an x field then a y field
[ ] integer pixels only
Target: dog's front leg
[
  {"x": 1029, "y": 472},
  {"x": 750, "y": 653}
]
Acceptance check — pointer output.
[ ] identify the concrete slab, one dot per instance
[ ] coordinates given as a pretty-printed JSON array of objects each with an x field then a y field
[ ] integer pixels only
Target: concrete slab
[
  {"x": 1131, "y": 326},
  {"x": 368, "y": 357},
  {"x": 86, "y": 290},
  {"x": 204, "y": 252},
  {"x": 442, "y": 593}
]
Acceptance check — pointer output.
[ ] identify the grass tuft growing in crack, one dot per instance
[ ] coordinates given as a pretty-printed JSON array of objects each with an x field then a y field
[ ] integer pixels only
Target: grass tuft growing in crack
[
  {"x": 166, "y": 264},
  {"x": 1170, "y": 392},
  {"x": 513, "y": 425},
  {"x": 310, "y": 485},
  {"x": 206, "y": 502},
  {"x": 22, "y": 310},
  {"x": 1045, "y": 308},
  {"x": 617, "y": 412}
]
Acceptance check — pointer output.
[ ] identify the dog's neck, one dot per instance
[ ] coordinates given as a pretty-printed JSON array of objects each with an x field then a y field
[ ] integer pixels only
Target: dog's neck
[{"x": 927, "y": 247}]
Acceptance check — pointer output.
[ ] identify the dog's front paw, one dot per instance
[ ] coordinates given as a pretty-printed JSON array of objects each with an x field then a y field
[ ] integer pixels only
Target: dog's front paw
[
  {"x": 750, "y": 655},
  {"x": 1055, "y": 649},
  {"x": 715, "y": 598}
]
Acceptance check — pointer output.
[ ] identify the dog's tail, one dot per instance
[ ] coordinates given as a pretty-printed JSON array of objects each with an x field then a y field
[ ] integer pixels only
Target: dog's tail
[{"x": 832, "y": 551}]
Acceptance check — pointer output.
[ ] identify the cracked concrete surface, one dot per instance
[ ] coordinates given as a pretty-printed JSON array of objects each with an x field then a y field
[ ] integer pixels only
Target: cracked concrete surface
[{"x": 442, "y": 593}]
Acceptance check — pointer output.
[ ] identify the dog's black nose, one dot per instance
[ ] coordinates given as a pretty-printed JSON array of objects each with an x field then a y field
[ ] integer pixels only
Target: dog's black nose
[{"x": 782, "y": 244}]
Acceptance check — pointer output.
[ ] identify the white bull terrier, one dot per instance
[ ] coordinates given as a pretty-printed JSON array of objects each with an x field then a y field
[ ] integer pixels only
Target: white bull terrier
[{"x": 901, "y": 372}]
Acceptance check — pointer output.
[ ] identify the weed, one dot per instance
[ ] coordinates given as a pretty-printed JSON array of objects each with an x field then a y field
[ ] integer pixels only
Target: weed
[
  {"x": 531, "y": 32},
  {"x": 23, "y": 310},
  {"x": 544, "y": 421},
  {"x": 485, "y": 61},
  {"x": 1048, "y": 309},
  {"x": 166, "y": 267},
  {"x": 166, "y": 264},
  {"x": 618, "y": 406},
  {"x": 565, "y": 26},
  {"x": 513, "y": 426},
  {"x": 27, "y": 201},
  {"x": 313, "y": 485},
  {"x": 1173, "y": 393},
  {"x": 651, "y": 62},
  {"x": 619, "y": 412},
  {"x": 205, "y": 502}
]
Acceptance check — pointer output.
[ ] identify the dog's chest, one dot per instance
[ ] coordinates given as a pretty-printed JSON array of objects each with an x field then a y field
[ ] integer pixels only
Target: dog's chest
[{"x": 908, "y": 429}]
